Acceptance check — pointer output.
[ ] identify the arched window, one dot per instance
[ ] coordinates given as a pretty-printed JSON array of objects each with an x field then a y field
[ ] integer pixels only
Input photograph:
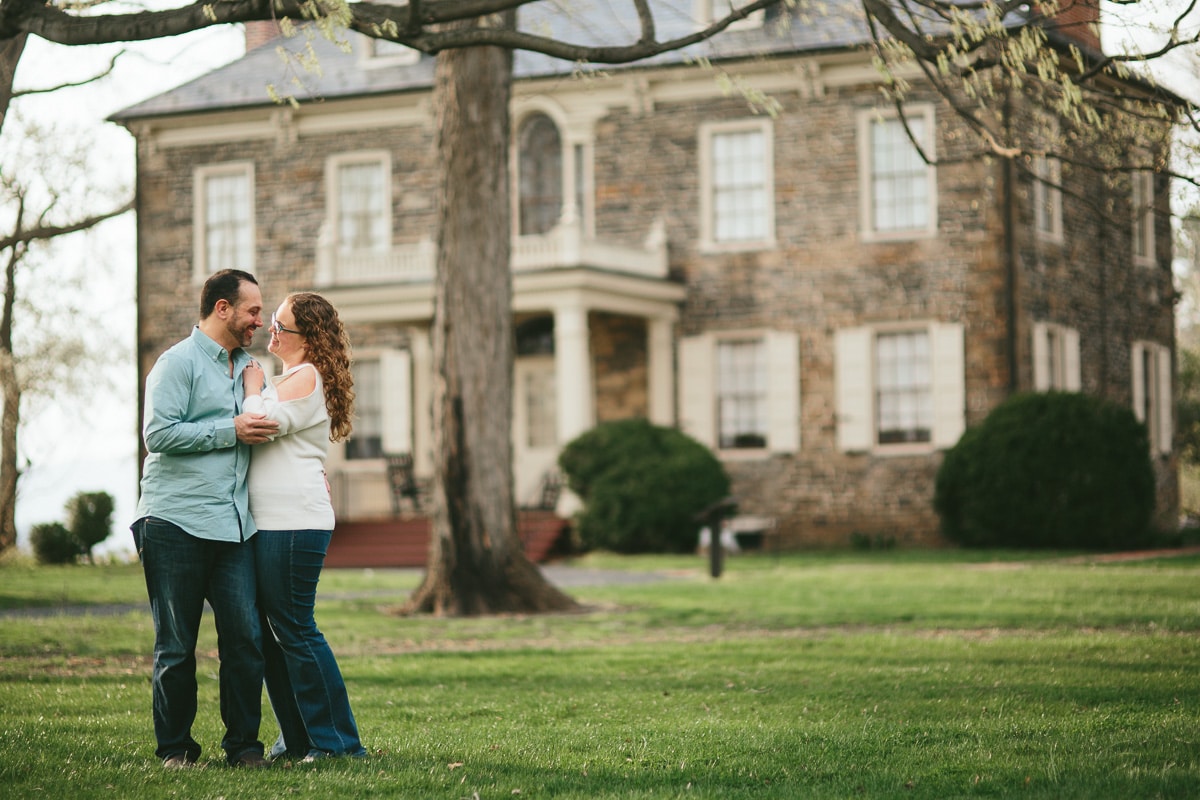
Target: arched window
[{"x": 540, "y": 175}]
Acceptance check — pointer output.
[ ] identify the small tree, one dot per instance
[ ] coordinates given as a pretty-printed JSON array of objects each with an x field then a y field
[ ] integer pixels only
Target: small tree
[
  {"x": 642, "y": 486},
  {"x": 1049, "y": 469},
  {"x": 54, "y": 544},
  {"x": 89, "y": 518}
]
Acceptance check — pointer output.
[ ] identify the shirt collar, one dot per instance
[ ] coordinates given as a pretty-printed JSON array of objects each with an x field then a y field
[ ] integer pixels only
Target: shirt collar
[{"x": 212, "y": 350}]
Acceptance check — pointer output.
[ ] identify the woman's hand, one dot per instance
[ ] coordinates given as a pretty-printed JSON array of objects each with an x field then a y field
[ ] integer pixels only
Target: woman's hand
[{"x": 252, "y": 379}]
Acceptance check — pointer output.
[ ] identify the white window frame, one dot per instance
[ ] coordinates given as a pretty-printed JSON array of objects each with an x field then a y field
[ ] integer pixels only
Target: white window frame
[
  {"x": 566, "y": 165},
  {"x": 395, "y": 401},
  {"x": 855, "y": 387},
  {"x": 1055, "y": 358},
  {"x": 1047, "y": 198},
  {"x": 200, "y": 177},
  {"x": 708, "y": 186},
  {"x": 1142, "y": 226},
  {"x": 738, "y": 393},
  {"x": 334, "y": 197},
  {"x": 698, "y": 390},
  {"x": 867, "y": 121},
  {"x": 1153, "y": 401},
  {"x": 578, "y": 164}
]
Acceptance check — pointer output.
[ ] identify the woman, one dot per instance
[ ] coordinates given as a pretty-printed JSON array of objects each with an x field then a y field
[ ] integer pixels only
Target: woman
[{"x": 289, "y": 499}]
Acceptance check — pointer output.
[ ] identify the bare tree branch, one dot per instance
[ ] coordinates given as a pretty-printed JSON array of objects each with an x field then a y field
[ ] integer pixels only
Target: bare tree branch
[
  {"x": 42, "y": 232},
  {"x": 112, "y": 64}
]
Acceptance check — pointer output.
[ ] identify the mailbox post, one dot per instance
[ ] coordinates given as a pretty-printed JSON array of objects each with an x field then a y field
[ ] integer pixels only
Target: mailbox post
[{"x": 712, "y": 517}]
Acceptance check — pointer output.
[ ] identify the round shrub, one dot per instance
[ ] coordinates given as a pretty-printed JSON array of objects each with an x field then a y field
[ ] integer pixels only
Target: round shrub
[
  {"x": 54, "y": 544},
  {"x": 641, "y": 486},
  {"x": 1049, "y": 469}
]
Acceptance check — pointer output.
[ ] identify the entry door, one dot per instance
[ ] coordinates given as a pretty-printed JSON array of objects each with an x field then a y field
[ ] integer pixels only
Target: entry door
[{"x": 535, "y": 424}]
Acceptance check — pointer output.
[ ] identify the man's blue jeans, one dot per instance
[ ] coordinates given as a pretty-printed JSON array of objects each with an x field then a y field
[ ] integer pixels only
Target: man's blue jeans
[
  {"x": 304, "y": 683},
  {"x": 182, "y": 571}
]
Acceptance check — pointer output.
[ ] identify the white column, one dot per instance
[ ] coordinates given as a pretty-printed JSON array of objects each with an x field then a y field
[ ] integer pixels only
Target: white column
[
  {"x": 422, "y": 378},
  {"x": 573, "y": 372},
  {"x": 660, "y": 372}
]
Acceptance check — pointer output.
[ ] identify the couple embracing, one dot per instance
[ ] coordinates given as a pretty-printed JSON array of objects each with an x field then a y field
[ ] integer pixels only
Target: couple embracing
[{"x": 235, "y": 510}]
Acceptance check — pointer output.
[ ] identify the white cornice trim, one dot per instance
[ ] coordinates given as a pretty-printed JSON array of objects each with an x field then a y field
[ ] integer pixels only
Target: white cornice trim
[{"x": 538, "y": 291}]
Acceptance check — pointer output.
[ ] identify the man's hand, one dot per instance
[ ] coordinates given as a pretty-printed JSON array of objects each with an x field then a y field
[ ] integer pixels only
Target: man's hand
[{"x": 254, "y": 428}]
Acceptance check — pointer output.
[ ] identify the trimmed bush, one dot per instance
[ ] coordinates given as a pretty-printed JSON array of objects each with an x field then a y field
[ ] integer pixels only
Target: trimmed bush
[
  {"x": 1049, "y": 469},
  {"x": 54, "y": 544},
  {"x": 89, "y": 518},
  {"x": 641, "y": 486}
]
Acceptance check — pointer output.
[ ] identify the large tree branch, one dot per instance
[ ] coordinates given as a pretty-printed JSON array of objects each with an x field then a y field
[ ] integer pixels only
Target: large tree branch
[{"x": 414, "y": 25}]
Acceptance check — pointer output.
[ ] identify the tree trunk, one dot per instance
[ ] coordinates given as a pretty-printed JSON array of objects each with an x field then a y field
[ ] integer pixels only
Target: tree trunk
[
  {"x": 476, "y": 562},
  {"x": 10, "y": 55},
  {"x": 10, "y": 413}
]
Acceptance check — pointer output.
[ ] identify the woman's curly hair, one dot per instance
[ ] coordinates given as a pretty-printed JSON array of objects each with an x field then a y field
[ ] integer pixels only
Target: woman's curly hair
[{"x": 329, "y": 351}]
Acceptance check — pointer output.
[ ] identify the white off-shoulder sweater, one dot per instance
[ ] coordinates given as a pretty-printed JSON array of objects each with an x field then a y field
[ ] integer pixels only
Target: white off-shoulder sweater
[{"x": 287, "y": 474}]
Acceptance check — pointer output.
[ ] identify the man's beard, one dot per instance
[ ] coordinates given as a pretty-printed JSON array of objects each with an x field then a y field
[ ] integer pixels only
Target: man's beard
[{"x": 244, "y": 335}]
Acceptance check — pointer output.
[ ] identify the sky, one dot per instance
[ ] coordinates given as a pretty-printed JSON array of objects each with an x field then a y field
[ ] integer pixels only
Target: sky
[{"x": 90, "y": 443}]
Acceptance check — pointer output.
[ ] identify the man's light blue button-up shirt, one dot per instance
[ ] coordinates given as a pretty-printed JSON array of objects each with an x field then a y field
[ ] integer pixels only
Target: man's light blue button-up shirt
[{"x": 194, "y": 475}]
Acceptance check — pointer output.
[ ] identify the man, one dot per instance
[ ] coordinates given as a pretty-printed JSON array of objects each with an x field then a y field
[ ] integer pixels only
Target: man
[{"x": 193, "y": 523}]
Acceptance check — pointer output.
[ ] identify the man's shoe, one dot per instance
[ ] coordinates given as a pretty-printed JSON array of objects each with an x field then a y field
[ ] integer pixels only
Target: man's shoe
[
  {"x": 251, "y": 761},
  {"x": 314, "y": 756},
  {"x": 178, "y": 761}
]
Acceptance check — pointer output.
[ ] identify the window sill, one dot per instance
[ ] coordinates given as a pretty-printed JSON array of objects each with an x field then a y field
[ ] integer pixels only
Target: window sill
[
  {"x": 887, "y": 237},
  {"x": 721, "y": 248},
  {"x": 744, "y": 454},
  {"x": 891, "y": 450}
]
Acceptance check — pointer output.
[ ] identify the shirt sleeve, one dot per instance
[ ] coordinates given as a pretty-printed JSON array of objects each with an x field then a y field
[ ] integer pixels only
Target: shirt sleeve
[
  {"x": 292, "y": 415},
  {"x": 169, "y": 426}
]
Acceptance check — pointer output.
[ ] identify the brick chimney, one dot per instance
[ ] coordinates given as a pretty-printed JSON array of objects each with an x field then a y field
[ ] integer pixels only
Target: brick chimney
[
  {"x": 1078, "y": 21},
  {"x": 260, "y": 32}
]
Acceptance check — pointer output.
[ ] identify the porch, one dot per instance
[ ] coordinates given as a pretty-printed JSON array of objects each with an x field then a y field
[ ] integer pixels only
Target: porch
[{"x": 404, "y": 541}]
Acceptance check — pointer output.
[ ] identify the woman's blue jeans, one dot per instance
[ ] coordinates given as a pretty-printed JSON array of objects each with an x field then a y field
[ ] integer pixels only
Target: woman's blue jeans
[
  {"x": 182, "y": 571},
  {"x": 304, "y": 683}
]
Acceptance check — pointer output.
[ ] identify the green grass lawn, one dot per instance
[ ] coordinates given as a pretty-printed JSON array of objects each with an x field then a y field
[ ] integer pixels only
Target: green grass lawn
[{"x": 897, "y": 674}]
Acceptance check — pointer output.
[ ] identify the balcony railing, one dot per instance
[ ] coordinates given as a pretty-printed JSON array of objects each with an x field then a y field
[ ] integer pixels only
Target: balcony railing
[{"x": 563, "y": 247}]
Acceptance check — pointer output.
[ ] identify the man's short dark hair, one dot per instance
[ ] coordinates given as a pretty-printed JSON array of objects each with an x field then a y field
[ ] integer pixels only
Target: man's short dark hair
[{"x": 224, "y": 285}]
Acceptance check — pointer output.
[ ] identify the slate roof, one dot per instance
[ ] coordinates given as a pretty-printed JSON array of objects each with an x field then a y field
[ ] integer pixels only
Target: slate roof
[{"x": 835, "y": 25}]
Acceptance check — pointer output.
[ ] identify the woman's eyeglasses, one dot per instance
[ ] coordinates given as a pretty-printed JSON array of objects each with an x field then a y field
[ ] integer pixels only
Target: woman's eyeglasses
[{"x": 277, "y": 327}]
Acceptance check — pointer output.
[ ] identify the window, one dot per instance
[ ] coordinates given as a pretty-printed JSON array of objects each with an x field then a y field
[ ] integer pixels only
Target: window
[
  {"x": 1055, "y": 358},
  {"x": 737, "y": 202},
  {"x": 540, "y": 170},
  {"x": 1047, "y": 197},
  {"x": 540, "y": 406},
  {"x": 382, "y": 406},
  {"x": 898, "y": 386},
  {"x": 898, "y": 188},
  {"x": 1143, "y": 216},
  {"x": 741, "y": 394},
  {"x": 1152, "y": 399},
  {"x": 360, "y": 191},
  {"x": 741, "y": 391},
  {"x": 224, "y": 218},
  {"x": 903, "y": 390}
]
